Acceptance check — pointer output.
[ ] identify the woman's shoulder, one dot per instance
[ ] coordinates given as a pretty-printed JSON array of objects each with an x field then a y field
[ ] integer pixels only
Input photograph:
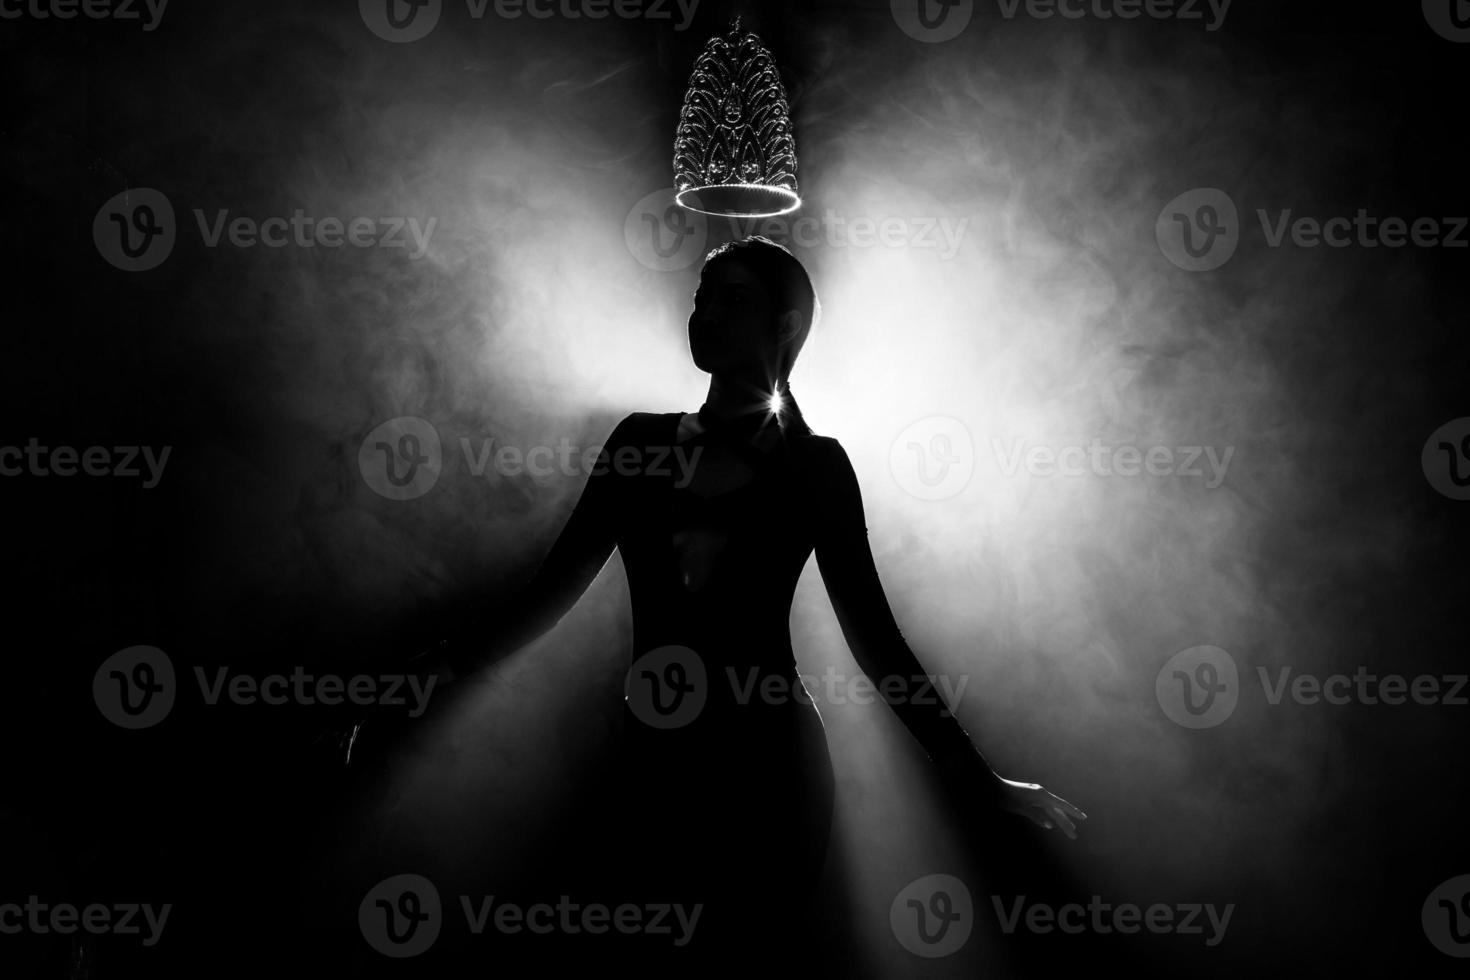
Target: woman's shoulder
[
  {"x": 640, "y": 427},
  {"x": 817, "y": 455},
  {"x": 813, "y": 444},
  {"x": 821, "y": 457}
]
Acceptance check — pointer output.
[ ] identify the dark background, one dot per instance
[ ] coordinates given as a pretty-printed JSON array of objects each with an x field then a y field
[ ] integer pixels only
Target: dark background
[{"x": 529, "y": 321}]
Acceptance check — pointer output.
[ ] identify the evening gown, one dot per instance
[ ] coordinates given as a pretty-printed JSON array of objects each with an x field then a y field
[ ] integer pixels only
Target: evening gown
[{"x": 733, "y": 809}]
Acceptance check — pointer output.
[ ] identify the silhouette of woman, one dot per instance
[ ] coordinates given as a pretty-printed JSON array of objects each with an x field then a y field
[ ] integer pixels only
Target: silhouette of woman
[{"x": 726, "y": 788}]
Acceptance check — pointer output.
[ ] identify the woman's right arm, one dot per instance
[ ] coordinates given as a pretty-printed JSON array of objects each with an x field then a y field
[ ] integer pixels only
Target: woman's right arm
[{"x": 496, "y": 628}]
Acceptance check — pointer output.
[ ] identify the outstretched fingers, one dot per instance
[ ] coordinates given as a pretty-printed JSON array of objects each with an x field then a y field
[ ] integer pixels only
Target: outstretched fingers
[
  {"x": 1067, "y": 808},
  {"x": 1060, "y": 817}
]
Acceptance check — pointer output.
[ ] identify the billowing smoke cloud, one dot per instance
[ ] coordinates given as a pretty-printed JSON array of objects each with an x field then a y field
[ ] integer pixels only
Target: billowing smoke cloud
[
  {"x": 1019, "y": 299},
  {"x": 1060, "y": 323}
]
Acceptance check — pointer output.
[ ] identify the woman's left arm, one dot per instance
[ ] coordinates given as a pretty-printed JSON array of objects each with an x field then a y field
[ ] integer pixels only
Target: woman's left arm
[{"x": 845, "y": 560}]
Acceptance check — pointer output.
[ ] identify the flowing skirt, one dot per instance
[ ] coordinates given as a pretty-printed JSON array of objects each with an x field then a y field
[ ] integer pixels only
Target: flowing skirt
[{"x": 732, "y": 813}]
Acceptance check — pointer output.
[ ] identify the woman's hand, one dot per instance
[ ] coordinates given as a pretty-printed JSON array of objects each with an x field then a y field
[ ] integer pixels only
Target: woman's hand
[
  {"x": 341, "y": 733},
  {"x": 1042, "y": 808},
  {"x": 337, "y": 740},
  {"x": 968, "y": 774}
]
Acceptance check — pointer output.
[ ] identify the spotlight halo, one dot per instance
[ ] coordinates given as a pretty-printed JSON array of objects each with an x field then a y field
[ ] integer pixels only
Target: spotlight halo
[{"x": 739, "y": 200}]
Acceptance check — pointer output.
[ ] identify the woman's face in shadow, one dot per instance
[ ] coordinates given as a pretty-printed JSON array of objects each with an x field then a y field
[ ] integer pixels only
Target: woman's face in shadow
[{"x": 731, "y": 331}]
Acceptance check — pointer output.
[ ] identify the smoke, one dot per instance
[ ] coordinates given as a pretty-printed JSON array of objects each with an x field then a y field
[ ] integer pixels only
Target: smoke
[
  {"x": 1021, "y": 168},
  {"x": 1060, "y": 324},
  {"x": 1057, "y": 324}
]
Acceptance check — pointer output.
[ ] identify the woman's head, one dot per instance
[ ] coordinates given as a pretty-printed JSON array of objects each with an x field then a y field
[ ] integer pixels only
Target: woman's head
[{"x": 752, "y": 313}]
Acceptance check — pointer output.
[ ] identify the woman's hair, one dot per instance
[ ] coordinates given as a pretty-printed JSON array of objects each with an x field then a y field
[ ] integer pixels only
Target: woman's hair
[{"x": 791, "y": 289}]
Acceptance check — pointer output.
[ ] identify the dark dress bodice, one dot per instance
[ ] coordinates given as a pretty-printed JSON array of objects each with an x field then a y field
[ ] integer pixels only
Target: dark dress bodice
[{"x": 750, "y": 546}]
